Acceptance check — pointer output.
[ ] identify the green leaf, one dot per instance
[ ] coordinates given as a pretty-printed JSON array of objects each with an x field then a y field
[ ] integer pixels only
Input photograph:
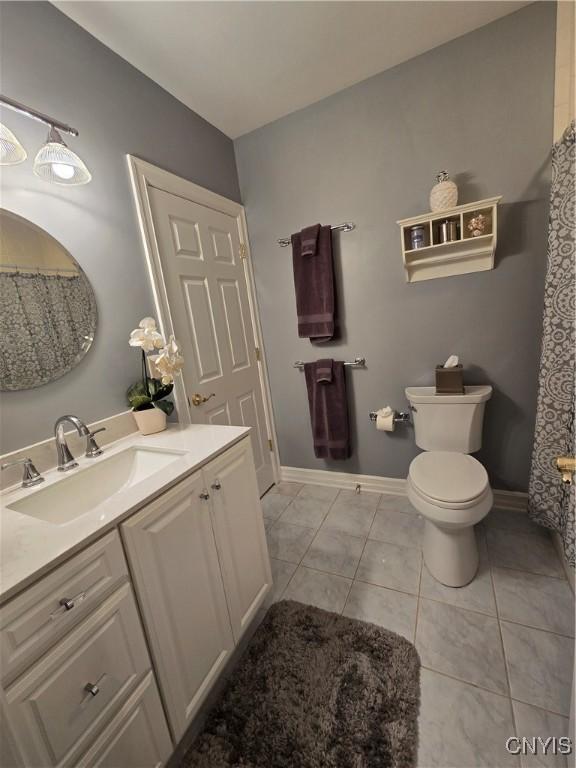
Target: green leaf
[
  {"x": 141, "y": 403},
  {"x": 165, "y": 405}
]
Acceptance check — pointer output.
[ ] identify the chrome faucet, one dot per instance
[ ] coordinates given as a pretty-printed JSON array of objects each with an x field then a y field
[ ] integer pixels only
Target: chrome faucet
[
  {"x": 65, "y": 459},
  {"x": 31, "y": 475}
]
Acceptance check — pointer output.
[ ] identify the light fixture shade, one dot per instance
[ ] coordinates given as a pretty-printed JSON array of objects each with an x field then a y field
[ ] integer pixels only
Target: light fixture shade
[
  {"x": 58, "y": 164},
  {"x": 11, "y": 151}
]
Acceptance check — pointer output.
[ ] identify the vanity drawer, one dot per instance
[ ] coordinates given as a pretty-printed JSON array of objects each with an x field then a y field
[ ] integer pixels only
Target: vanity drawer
[
  {"x": 60, "y": 705},
  {"x": 138, "y": 737},
  {"x": 37, "y": 618}
]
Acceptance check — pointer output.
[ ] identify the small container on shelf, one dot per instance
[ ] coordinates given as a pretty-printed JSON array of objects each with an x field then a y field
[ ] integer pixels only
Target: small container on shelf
[
  {"x": 417, "y": 236},
  {"x": 450, "y": 381}
]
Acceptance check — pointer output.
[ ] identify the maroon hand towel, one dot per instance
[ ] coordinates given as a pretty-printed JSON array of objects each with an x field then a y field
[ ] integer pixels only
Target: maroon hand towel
[
  {"x": 328, "y": 411},
  {"x": 314, "y": 285},
  {"x": 309, "y": 240}
]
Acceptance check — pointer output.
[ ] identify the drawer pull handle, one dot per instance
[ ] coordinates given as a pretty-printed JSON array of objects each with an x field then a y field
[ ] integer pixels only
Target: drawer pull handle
[
  {"x": 217, "y": 485},
  {"x": 204, "y": 495},
  {"x": 66, "y": 604},
  {"x": 91, "y": 690}
]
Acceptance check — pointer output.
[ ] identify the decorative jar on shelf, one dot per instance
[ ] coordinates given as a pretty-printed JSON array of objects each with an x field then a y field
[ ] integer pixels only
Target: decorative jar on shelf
[{"x": 444, "y": 194}]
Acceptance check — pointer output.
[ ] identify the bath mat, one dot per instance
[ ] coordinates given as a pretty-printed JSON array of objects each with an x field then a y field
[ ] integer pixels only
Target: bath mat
[{"x": 315, "y": 690}]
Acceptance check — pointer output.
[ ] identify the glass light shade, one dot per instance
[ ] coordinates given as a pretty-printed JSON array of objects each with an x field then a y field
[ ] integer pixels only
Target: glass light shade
[
  {"x": 11, "y": 151},
  {"x": 58, "y": 164}
]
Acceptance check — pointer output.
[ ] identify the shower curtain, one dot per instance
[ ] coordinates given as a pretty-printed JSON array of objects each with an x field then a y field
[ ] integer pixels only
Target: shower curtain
[
  {"x": 46, "y": 322},
  {"x": 550, "y": 502}
]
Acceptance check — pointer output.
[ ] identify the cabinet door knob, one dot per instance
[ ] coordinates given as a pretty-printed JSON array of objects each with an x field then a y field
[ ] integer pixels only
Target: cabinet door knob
[
  {"x": 67, "y": 603},
  {"x": 204, "y": 495},
  {"x": 92, "y": 688},
  {"x": 216, "y": 485}
]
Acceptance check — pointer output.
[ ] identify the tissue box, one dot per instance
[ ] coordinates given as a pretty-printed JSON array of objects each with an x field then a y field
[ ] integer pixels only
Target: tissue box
[{"x": 449, "y": 381}]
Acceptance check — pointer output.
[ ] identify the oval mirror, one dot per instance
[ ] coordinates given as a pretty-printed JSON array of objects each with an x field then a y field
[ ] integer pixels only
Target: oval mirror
[{"x": 48, "y": 310}]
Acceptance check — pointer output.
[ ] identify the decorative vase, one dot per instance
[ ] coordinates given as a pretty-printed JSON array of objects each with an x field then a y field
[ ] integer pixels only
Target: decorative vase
[
  {"x": 444, "y": 194},
  {"x": 150, "y": 421}
]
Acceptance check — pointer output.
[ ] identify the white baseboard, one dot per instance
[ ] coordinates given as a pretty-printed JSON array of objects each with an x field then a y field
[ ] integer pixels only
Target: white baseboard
[
  {"x": 346, "y": 480},
  {"x": 511, "y": 500}
]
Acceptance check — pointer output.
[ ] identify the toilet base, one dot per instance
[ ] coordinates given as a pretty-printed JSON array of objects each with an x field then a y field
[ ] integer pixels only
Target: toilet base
[{"x": 450, "y": 554}]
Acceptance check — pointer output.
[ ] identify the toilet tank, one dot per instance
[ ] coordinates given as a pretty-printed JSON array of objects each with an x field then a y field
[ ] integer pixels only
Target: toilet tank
[{"x": 448, "y": 422}]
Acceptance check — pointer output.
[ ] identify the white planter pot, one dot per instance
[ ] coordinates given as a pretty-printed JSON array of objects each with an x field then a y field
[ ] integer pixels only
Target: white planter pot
[{"x": 150, "y": 421}]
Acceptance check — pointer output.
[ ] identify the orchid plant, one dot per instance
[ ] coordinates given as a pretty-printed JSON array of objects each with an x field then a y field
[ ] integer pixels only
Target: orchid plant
[{"x": 150, "y": 392}]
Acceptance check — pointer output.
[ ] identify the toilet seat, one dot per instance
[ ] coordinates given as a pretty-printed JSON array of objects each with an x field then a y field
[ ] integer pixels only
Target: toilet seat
[{"x": 448, "y": 479}]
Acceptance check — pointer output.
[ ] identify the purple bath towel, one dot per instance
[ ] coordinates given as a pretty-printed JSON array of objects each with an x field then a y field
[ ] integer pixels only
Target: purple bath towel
[
  {"x": 328, "y": 409},
  {"x": 314, "y": 283}
]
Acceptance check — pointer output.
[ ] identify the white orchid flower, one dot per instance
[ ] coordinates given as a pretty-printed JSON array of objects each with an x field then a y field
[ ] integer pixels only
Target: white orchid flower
[
  {"x": 146, "y": 336},
  {"x": 169, "y": 361}
]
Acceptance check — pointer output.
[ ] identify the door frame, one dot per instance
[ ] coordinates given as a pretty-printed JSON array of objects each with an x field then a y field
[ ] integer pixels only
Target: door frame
[{"x": 145, "y": 176}]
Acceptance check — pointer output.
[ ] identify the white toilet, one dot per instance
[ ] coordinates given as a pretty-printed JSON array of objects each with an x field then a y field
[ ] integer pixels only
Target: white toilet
[{"x": 447, "y": 486}]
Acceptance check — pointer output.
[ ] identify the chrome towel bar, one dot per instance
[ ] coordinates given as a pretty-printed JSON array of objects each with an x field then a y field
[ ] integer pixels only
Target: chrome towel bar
[
  {"x": 348, "y": 226},
  {"x": 358, "y": 362}
]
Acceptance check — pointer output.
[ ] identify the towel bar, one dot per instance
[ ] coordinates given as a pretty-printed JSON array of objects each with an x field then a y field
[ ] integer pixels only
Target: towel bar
[
  {"x": 358, "y": 362},
  {"x": 346, "y": 227}
]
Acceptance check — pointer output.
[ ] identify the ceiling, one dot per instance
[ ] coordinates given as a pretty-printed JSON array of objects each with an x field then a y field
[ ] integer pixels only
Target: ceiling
[{"x": 243, "y": 64}]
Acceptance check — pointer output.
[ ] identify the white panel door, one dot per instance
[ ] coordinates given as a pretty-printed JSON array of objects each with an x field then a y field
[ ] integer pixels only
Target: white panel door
[
  {"x": 208, "y": 298},
  {"x": 239, "y": 530},
  {"x": 174, "y": 562}
]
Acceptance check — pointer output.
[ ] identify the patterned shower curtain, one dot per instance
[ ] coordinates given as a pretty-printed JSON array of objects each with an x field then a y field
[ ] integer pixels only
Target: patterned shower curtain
[
  {"x": 46, "y": 323},
  {"x": 551, "y": 503}
]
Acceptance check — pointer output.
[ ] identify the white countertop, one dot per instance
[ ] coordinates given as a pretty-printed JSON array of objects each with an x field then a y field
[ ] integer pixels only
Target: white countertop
[{"x": 29, "y": 546}]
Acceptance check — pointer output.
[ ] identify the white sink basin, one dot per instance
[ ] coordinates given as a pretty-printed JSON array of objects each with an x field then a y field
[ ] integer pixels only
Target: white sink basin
[{"x": 84, "y": 489}]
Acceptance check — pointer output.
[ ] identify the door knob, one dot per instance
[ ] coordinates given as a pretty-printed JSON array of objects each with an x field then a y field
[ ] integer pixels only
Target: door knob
[
  {"x": 566, "y": 465},
  {"x": 198, "y": 399}
]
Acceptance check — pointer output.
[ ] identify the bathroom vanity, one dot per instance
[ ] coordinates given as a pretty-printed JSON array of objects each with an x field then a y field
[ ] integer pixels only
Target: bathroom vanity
[{"x": 125, "y": 587}]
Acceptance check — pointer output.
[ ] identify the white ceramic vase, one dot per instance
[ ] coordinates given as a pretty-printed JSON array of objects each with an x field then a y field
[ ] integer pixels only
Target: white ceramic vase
[
  {"x": 444, "y": 194},
  {"x": 150, "y": 421}
]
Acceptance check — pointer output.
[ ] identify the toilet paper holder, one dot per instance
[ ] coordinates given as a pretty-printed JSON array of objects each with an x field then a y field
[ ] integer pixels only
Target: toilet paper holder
[{"x": 400, "y": 417}]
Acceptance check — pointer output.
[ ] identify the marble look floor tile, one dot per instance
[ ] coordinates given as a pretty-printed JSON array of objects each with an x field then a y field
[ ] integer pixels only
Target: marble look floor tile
[
  {"x": 524, "y": 551},
  {"x": 364, "y": 499},
  {"x": 462, "y": 644},
  {"x": 282, "y": 572},
  {"x": 306, "y": 511},
  {"x": 343, "y": 516},
  {"x": 397, "y": 528},
  {"x": 334, "y": 552},
  {"x": 539, "y": 666},
  {"x": 273, "y": 504},
  {"x": 511, "y": 521},
  {"x": 286, "y": 489},
  {"x": 397, "y": 504},
  {"x": 461, "y": 726},
  {"x": 288, "y": 542},
  {"x": 389, "y": 565},
  {"x": 476, "y": 596},
  {"x": 392, "y": 610},
  {"x": 532, "y": 722},
  {"x": 320, "y": 492},
  {"x": 323, "y": 590},
  {"x": 538, "y": 601}
]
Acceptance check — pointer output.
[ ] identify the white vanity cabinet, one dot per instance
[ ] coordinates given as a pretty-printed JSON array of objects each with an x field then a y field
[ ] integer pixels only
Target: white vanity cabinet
[
  {"x": 200, "y": 567},
  {"x": 106, "y": 658},
  {"x": 62, "y": 691}
]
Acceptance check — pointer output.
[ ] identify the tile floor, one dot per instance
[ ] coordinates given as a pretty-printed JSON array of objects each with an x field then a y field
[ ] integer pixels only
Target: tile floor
[{"x": 496, "y": 655}]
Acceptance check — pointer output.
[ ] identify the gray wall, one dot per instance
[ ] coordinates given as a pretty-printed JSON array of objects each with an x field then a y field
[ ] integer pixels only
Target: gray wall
[
  {"x": 480, "y": 106},
  {"x": 52, "y": 64}
]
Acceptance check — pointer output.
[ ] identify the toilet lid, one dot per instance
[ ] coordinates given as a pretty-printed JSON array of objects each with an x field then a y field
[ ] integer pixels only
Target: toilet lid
[{"x": 448, "y": 477}]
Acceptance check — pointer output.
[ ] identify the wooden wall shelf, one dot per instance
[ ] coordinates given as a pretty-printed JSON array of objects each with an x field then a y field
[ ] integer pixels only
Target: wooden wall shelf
[{"x": 457, "y": 257}]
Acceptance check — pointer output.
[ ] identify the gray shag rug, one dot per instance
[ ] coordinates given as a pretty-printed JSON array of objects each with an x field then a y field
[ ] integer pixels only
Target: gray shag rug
[{"x": 315, "y": 690}]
